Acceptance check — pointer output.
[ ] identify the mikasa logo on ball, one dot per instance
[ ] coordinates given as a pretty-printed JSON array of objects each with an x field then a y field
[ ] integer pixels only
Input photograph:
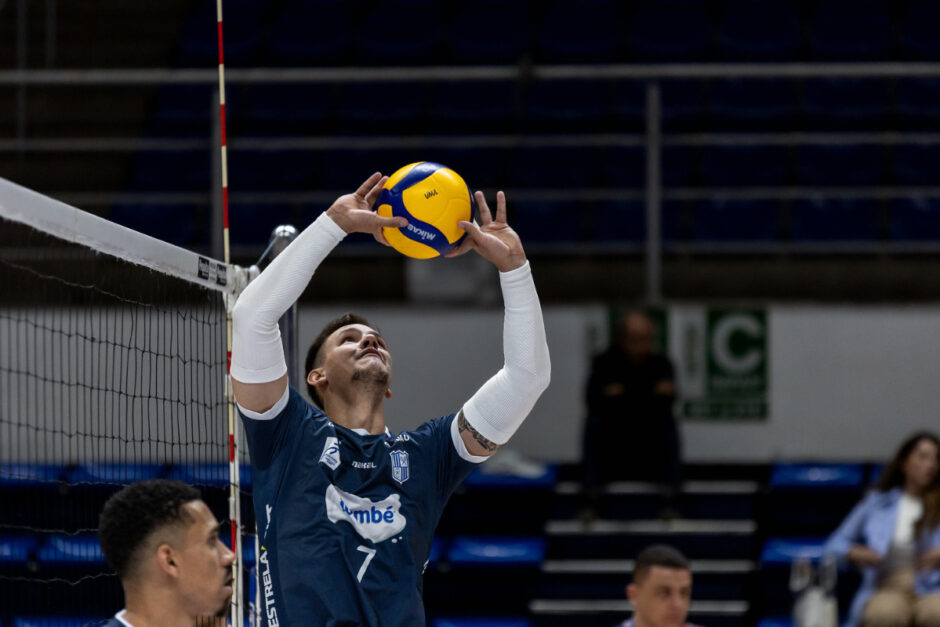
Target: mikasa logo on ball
[{"x": 425, "y": 235}]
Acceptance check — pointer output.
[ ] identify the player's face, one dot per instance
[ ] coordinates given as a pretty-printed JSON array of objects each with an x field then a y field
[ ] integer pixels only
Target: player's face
[
  {"x": 662, "y": 599},
  {"x": 921, "y": 466},
  {"x": 357, "y": 353},
  {"x": 205, "y": 564}
]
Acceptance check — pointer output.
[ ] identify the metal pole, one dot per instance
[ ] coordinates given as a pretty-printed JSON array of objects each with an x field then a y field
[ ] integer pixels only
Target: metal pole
[
  {"x": 654, "y": 194},
  {"x": 21, "y": 48},
  {"x": 51, "y": 33},
  {"x": 281, "y": 238},
  {"x": 215, "y": 220}
]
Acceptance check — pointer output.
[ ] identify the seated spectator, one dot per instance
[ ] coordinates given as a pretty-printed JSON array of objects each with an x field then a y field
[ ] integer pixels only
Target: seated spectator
[
  {"x": 893, "y": 535},
  {"x": 661, "y": 590}
]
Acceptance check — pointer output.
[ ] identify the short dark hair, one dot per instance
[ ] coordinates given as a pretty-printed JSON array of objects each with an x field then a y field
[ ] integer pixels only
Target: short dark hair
[
  {"x": 313, "y": 353},
  {"x": 131, "y": 515},
  {"x": 658, "y": 555}
]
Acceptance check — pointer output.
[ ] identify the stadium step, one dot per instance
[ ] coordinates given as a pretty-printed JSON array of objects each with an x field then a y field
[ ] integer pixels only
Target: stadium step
[{"x": 594, "y": 612}]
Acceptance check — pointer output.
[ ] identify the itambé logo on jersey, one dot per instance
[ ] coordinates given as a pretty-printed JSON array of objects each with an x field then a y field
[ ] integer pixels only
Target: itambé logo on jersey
[{"x": 372, "y": 520}]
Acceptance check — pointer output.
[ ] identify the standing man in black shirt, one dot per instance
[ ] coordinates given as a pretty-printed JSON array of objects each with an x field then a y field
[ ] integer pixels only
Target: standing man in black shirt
[{"x": 631, "y": 433}]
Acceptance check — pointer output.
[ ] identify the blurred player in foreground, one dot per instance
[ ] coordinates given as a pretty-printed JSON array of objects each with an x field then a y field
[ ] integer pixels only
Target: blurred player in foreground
[
  {"x": 346, "y": 509},
  {"x": 164, "y": 543},
  {"x": 661, "y": 590}
]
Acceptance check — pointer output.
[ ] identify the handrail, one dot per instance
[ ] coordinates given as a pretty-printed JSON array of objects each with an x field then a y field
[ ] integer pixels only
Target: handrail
[{"x": 646, "y": 72}]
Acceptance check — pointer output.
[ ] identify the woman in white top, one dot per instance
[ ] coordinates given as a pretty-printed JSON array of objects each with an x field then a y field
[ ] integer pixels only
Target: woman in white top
[{"x": 893, "y": 535}]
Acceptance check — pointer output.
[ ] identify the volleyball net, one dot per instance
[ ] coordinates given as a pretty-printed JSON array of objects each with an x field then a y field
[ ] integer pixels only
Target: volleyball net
[{"x": 112, "y": 370}]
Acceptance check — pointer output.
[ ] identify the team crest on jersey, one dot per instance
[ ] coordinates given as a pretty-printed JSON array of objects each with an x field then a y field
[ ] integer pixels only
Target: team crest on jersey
[
  {"x": 400, "y": 470},
  {"x": 330, "y": 454}
]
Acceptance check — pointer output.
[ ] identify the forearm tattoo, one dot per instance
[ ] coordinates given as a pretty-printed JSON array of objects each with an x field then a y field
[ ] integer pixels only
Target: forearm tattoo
[{"x": 463, "y": 425}]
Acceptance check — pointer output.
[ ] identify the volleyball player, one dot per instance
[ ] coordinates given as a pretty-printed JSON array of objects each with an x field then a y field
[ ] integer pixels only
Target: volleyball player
[
  {"x": 346, "y": 509},
  {"x": 163, "y": 542}
]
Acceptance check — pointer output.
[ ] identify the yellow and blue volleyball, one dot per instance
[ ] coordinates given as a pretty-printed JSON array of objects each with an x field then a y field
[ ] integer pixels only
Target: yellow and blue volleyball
[{"x": 434, "y": 199}]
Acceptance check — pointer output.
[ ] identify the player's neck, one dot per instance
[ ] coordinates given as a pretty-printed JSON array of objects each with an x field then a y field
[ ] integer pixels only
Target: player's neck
[
  {"x": 155, "y": 609},
  {"x": 359, "y": 412}
]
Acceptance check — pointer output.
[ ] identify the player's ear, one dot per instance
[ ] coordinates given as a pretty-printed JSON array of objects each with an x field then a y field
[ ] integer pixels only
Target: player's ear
[
  {"x": 631, "y": 591},
  {"x": 166, "y": 560},
  {"x": 316, "y": 377}
]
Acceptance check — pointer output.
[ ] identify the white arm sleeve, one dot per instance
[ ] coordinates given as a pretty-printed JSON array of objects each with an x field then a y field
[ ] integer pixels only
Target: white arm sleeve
[
  {"x": 257, "y": 353},
  {"x": 499, "y": 407}
]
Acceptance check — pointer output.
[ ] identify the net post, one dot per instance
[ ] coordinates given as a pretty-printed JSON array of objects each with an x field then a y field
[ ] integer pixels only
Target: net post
[{"x": 281, "y": 237}]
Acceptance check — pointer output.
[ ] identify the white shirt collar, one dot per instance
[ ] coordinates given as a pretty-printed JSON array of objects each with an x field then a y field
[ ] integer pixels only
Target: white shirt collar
[{"x": 120, "y": 617}]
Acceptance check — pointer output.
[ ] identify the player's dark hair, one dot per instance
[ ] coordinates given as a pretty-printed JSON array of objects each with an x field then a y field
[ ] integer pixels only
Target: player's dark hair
[
  {"x": 313, "y": 353},
  {"x": 893, "y": 477},
  {"x": 658, "y": 555},
  {"x": 135, "y": 512}
]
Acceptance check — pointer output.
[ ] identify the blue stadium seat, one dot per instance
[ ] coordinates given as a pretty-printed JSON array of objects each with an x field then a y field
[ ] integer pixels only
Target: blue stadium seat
[
  {"x": 181, "y": 224},
  {"x": 16, "y": 549},
  {"x": 568, "y": 104},
  {"x": 625, "y": 166},
  {"x": 480, "y": 479},
  {"x": 841, "y": 165},
  {"x": 918, "y": 32},
  {"x": 311, "y": 34},
  {"x": 15, "y": 474},
  {"x": 398, "y": 32},
  {"x": 745, "y": 166},
  {"x": 243, "y": 23},
  {"x": 918, "y": 102},
  {"x": 676, "y": 167},
  {"x": 555, "y": 166},
  {"x": 165, "y": 171},
  {"x": 669, "y": 30},
  {"x": 490, "y": 31},
  {"x": 496, "y": 552},
  {"x": 915, "y": 164},
  {"x": 56, "y": 621},
  {"x": 682, "y": 104},
  {"x": 813, "y": 476},
  {"x": 846, "y": 102},
  {"x": 211, "y": 475},
  {"x": 784, "y": 551},
  {"x": 617, "y": 221},
  {"x": 736, "y": 220},
  {"x": 775, "y": 621},
  {"x": 481, "y": 167},
  {"x": 187, "y": 110},
  {"x": 836, "y": 219},
  {"x": 67, "y": 550},
  {"x": 573, "y": 31},
  {"x": 381, "y": 106},
  {"x": 481, "y": 622},
  {"x": 477, "y": 106},
  {"x": 914, "y": 219},
  {"x": 759, "y": 30},
  {"x": 113, "y": 474},
  {"x": 851, "y": 30},
  {"x": 289, "y": 109},
  {"x": 738, "y": 102},
  {"x": 543, "y": 221},
  {"x": 273, "y": 170}
]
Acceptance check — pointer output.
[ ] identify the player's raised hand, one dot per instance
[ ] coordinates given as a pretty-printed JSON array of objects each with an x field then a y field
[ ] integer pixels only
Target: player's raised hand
[
  {"x": 354, "y": 212},
  {"x": 493, "y": 239}
]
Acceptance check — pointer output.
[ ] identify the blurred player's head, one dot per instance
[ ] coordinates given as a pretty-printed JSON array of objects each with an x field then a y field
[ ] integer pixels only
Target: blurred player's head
[
  {"x": 636, "y": 335},
  {"x": 348, "y": 357},
  {"x": 163, "y": 542},
  {"x": 916, "y": 468},
  {"x": 661, "y": 590}
]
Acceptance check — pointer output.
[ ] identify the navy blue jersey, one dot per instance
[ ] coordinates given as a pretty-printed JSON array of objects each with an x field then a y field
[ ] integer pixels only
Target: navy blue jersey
[{"x": 346, "y": 520}]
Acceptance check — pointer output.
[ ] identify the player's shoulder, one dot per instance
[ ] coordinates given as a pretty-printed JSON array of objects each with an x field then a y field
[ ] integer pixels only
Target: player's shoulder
[{"x": 428, "y": 431}]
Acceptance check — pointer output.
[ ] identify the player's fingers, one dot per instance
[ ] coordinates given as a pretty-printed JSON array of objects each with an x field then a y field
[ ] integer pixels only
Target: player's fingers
[
  {"x": 392, "y": 223},
  {"x": 380, "y": 238},
  {"x": 465, "y": 246},
  {"x": 485, "y": 216},
  {"x": 368, "y": 184},
  {"x": 501, "y": 207},
  {"x": 375, "y": 191}
]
